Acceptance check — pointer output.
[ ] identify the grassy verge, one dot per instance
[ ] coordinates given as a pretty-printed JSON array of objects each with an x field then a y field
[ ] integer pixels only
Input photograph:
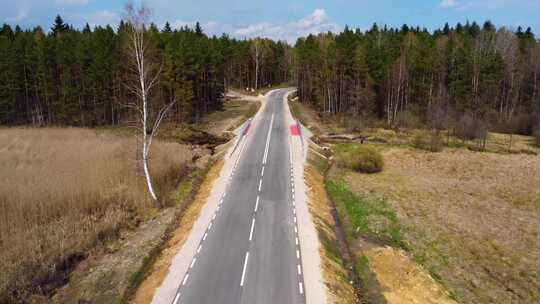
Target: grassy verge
[
  {"x": 371, "y": 219},
  {"x": 334, "y": 263}
]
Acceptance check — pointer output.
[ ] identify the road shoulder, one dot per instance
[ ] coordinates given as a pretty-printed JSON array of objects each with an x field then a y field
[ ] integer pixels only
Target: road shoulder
[{"x": 316, "y": 290}]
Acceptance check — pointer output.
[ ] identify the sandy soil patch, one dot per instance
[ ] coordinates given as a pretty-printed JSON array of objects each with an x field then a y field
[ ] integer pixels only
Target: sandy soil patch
[{"x": 402, "y": 280}]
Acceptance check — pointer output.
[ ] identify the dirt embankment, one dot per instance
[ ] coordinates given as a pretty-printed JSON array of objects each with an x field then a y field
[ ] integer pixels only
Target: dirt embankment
[
  {"x": 159, "y": 269},
  {"x": 335, "y": 274}
]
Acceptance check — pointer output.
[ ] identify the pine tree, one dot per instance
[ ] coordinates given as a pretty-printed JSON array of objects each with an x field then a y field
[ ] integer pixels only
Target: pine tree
[{"x": 59, "y": 26}]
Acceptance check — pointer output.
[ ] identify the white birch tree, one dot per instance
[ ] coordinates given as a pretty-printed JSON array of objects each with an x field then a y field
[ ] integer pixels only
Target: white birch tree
[{"x": 144, "y": 78}]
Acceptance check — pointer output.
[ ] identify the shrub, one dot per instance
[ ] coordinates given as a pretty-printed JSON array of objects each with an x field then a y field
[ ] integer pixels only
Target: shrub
[
  {"x": 363, "y": 159},
  {"x": 432, "y": 143}
]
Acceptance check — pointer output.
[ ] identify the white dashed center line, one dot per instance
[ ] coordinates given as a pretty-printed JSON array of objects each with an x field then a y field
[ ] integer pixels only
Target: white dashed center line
[
  {"x": 244, "y": 270},
  {"x": 251, "y": 232},
  {"x": 257, "y": 204}
]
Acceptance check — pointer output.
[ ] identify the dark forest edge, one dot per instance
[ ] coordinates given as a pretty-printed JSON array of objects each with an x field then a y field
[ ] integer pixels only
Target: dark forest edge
[
  {"x": 77, "y": 77},
  {"x": 468, "y": 76}
]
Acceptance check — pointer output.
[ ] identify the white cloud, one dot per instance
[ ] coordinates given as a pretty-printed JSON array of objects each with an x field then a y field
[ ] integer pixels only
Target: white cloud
[
  {"x": 448, "y": 4},
  {"x": 314, "y": 23}
]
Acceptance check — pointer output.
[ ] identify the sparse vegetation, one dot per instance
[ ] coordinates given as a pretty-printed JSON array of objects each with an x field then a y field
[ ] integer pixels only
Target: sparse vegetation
[
  {"x": 463, "y": 210},
  {"x": 432, "y": 142},
  {"x": 63, "y": 192},
  {"x": 361, "y": 158}
]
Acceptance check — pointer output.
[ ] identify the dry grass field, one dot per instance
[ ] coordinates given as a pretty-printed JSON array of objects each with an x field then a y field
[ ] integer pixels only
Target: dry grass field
[
  {"x": 64, "y": 191},
  {"x": 471, "y": 219}
]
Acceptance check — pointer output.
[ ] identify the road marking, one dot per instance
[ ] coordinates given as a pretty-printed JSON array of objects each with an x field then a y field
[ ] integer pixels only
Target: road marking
[
  {"x": 213, "y": 218},
  {"x": 210, "y": 226},
  {"x": 301, "y": 287},
  {"x": 296, "y": 240},
  {"x": 294, "y": 211},
  {"x": 205, "y": 235},
  {"x": 260, "y": 185},
  {"x": 268, "y": 140},
  {"x": 295, "y": 230},
  {"x": 176, "y": 298},
  {"x": 295, "y": 219},
  {"x": 244, "y": 270},
  {"x": 297, "y": 254},
  {"x": 185, "y": 279},
  {"x": 199, "y": 249},
  {"x": 257, "y": 204},
  {"x": 251, "y": 232},
  {"x": 262, "y": 172},
  {"x": 192, "y": 262},
  {"x": 293, "y": 195},
  {"x": 299, "y": 269}
]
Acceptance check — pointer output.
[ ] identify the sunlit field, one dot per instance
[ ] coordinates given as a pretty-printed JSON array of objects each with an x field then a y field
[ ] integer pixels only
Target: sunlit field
[{"x": 64, "y": 191}]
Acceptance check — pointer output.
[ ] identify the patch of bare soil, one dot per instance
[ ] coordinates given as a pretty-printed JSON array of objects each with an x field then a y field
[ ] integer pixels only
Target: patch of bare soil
[
  {"x": 402, "y": 280},
  {"x": 335, "y": 275},
  {"x": 471, "y": 219},
  {"x": 160, "y": 267}
]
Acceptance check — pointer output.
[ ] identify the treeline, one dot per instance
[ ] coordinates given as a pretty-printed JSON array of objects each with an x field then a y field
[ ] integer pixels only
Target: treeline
[
  {"x": 77, "y": 77},
  {"x": 465, "y": 74}
]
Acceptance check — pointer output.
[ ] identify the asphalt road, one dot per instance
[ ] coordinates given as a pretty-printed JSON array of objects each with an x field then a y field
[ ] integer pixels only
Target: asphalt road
[{"x": 250, "y": 253}]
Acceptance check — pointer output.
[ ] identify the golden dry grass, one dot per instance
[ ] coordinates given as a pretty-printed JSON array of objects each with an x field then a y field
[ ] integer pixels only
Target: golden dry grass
[
  {"x": 62, "y": 192},
  {"x": 472, "y": 219}
]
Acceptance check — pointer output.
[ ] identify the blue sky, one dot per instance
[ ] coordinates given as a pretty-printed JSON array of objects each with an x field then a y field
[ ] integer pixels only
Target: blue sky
[{"x": 279, "y": 19}]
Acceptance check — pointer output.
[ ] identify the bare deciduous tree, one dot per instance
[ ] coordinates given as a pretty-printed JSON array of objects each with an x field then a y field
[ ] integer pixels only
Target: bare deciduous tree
[
  {"x": 145, "y": 77},
  {"x": 257, "y": 50}
]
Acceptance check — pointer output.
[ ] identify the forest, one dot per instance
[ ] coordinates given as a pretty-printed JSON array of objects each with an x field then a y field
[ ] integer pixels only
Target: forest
[
  {"x": 467, "y": 77},
  {"x": 73, "y": 77}
]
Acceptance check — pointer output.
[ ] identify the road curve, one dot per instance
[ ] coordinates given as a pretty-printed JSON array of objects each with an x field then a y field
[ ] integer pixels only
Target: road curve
[{"x": 250, "y": 252}]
